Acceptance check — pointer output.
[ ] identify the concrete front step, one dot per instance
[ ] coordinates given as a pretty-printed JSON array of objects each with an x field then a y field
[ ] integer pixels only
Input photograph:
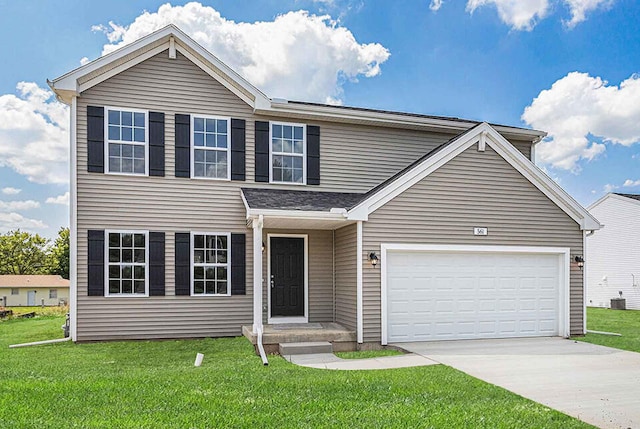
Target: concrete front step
[{"x": 288, "y": 349}]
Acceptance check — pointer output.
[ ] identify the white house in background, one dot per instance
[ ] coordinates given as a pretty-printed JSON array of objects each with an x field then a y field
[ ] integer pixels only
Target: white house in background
[{"x": 613, "y": 253}]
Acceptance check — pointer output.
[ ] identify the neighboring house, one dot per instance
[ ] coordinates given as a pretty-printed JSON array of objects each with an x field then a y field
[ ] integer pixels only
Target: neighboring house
[
  {"x": 199, "y": 205},
  {"x": 613, "y": 254},
  {"x": 31, "y": 290}
]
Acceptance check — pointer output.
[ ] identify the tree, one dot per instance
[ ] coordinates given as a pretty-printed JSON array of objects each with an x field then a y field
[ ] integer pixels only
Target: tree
[
  {"x": 59, "y": 254},
  {"x": 23, "y": 253}
]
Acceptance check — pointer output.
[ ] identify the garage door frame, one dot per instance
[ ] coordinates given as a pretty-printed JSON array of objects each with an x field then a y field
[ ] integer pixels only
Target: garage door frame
[{"x": 563, "y": 254}]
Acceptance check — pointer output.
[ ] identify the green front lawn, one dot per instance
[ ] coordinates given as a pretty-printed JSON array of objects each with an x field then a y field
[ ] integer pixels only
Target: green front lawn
[
  {"x": 625, "y": 322},
  {"x": 368, "y": 354},
  {"x": 153, "y": 384}
]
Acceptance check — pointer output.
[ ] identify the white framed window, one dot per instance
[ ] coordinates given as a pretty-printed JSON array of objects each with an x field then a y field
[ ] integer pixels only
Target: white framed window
[
  {"x": 126, "y": 136},
  {"x": 210, "y": 147},
  {"x": 210, "y": 264},
  {"x": 288, "y": 153},
  {"x": 53, "y": 293},
  {"x": 126, "y": 263},
  {"x": 15, "y": 291}
]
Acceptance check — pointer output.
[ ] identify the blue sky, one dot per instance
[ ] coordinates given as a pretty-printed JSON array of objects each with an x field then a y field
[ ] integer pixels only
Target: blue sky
[{"x": 476, "y": 59}]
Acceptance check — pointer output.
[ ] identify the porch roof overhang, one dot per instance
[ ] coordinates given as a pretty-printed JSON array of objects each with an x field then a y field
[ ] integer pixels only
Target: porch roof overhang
[{"x": 290, "y": 209}]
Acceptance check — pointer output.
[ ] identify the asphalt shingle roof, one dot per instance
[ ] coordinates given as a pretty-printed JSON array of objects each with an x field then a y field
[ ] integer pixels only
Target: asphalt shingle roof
[
  {"x": 283, "y": 199},
  {"x": 632, "y": 196}
]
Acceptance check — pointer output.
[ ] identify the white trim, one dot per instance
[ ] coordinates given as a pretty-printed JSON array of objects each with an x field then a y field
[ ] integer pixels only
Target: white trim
[
  {"x": 257, "y": 225},
  {"x": 119, "y": 69},
  {"x": 228, "y": 264},
  {"x": 506, "y": 150},
  {"x": 67, "y": 85},
  {"x": 133, "y": 143},
  {"x": 585, "y": 267},
  {"x": 172, "y": 48},
  {"x": 359, "y": 285},
  {"x": 106, "y": 263},
  {"x": 563, "y": 265},
  {"x": 295, "y": 319},
  {"x": 73, "y": 224},
  {"x": 304, "y": 152},
  {"x": 193, "y": 148}
]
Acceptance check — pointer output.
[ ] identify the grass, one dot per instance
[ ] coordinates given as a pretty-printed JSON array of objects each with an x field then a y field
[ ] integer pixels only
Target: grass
[
  {"x": 625, "y": 322},
  {"x": 40, "y": 311},
  {"x": 153, "y": 384},
  {"x": 368, "y": 354}
]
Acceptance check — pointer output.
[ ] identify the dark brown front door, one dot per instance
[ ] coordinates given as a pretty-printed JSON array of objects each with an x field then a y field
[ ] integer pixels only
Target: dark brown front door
[{"x": 287, "y": 276}]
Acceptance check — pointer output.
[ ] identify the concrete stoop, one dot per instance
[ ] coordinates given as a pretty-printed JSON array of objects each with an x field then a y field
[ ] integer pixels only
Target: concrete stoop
[{"x": 306, "y": 348}]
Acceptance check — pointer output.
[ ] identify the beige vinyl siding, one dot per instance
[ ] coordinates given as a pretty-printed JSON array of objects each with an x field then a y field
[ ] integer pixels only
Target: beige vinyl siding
[
  {"x": 353, "y": 158},
  {"x": 166, "y": 204},
  {"x": 473, "y": 189},
  {"x": 320, "y": 260},
  {"x": 345, "y": 273}
]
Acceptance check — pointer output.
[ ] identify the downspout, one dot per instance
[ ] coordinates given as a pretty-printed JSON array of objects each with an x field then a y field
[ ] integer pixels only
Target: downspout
[
  {"x": 263, "y": 355},
  {"x": 334, "y": 275}
]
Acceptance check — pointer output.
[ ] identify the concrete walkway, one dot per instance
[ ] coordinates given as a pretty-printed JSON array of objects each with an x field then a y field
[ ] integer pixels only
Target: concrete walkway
[
  {"x": 331, "y": 361},
  {"x": 598, "y": 385}
]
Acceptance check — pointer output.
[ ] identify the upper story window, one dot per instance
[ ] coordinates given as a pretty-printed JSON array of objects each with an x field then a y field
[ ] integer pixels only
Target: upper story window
[
  {"x": 211, "y": 145},
  {"x": 126, "y": 267},
  {"x": 211, "y": 263},
  {"x": 127, "y": 137},
  {"x": 288, "y": 153}
]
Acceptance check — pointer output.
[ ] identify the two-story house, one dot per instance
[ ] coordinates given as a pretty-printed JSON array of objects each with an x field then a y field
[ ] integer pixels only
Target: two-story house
[{"x": 199, "y": 205}]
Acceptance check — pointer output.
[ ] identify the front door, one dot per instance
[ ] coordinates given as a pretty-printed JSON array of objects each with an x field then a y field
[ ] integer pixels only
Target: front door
[
  {"x": 287, "y": 276},
  {"x": 31, "y": 298}
]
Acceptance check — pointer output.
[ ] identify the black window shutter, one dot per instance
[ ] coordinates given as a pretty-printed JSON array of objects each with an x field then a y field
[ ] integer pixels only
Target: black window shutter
[
  {"x": 238, "y": 264},
  {"x": 156, "y": 144},
  {"x": 183, "y": 145},
  {"x": 313, "y": 155},
  {"x": 237, "y": 149},
  {"x": 95, "y": 139},
  {"x": 95, "y": 286},
  {"x": 156, "y": 263},
  {"x": 183, "y": 263},
  {"x": 262, "y": 151}
]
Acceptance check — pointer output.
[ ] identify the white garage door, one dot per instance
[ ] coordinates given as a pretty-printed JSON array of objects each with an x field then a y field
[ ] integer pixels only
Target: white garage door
[{"x": 445, "y": 296}]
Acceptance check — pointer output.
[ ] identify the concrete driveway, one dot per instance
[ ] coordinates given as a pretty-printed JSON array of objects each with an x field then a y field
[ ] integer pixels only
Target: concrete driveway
[{"x": 596, "y": 384}]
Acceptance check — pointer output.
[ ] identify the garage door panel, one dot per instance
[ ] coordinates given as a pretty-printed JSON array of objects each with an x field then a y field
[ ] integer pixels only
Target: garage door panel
[{"x": 469, "y": 295}]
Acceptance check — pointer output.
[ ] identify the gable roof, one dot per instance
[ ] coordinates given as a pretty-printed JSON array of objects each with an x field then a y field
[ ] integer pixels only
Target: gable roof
[
  {"x": 171, "y": 38},
  {"x": 31, "y": 281},
  {"x": 627, "y": 198},
  {"x": 482, "y": 134}
]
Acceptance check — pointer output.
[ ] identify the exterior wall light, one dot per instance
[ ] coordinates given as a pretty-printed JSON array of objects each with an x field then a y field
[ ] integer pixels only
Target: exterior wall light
[
  {"x": 373, "y": 258},
  {"x": 263, "y": 247},
  {"x": 580, "y": 261}
]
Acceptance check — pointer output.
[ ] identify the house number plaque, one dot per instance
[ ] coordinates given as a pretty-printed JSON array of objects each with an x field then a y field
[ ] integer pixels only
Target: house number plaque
[{"x": 480, "y": 231}]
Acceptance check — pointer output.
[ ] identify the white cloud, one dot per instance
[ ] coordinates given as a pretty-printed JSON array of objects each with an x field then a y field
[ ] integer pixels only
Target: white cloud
[
  {"x": 518, "y": 14},
  {"x": 435, "y": 5},
  {"x": 84, "y": 60},
  {"x": 579, "y": 108},
  {"x": 11, "y": 191},
  {"x": 609, "y": 188},
  {"x": 580, "y": 8},
  {"x": 10, "y": 221},
  {"x": 296, "y": 56},
  {"x": 60, "y": 199},
  {"x": 631, "y": 183},
  {"x": 9, "y": 206},
  {"x": 34, "y": 135}
]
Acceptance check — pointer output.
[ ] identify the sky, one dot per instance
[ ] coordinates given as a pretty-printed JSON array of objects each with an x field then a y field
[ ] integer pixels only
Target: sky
[{"x": 567, "y": 67}]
